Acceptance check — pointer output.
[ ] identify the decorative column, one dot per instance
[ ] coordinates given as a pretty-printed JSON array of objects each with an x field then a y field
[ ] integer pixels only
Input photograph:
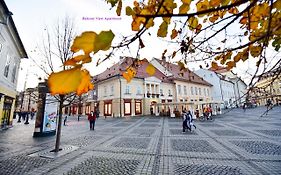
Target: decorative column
[
  {"x": 150, "y": 90},
  {"x": 145, "y": 90}
]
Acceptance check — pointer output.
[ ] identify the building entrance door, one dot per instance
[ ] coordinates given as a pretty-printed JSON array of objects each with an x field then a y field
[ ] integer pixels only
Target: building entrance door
[{"x": 6, "y": 115}]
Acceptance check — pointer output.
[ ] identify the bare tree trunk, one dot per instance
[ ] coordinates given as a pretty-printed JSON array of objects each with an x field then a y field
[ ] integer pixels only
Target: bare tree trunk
[{"x": 57, "y": 146}]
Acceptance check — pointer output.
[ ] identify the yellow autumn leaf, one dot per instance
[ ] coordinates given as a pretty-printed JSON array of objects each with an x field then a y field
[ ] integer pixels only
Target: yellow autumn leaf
[
  {"x": 150, "y": 69},
  {"x": 84, "y": 42},
  {"x": 150, "y": 23},
  {"x": 66, "y": 81},
  {"x": 103, "y": 41},
  {"x": 70, "y": 62},
  {"x": 215, "y": 3},
  {"x": 182, "y": 66},
  {"x": 174, "y": 33},
  {"x": 277, "y": 5},
  {"x": 129, "y": 74},
  {"x": 162, "y": 31},
  {"x": 213, "y": 18},
  {"x": 230, "y": 65},
  {"x": 225, "y": 2},
  {"x": 237, "y": 57},
  {"x": 184, "y": 8},
  {"x": 112, "y": 2},
  {"x": 244, "y": 20},
  {"x": 255, "y": 51},
  {"x": 214, "y": 65},
  {"x": 78, "y": 59},
  {"x": 186, "y": 1},
  {"x": 129, "y": 11},
  {"x": 137, "y": 21},
  {"x": 233, "y": 10},
  {"x": 193, "y": 22},
  {"x": 119, "y": 8},
  {"x": 85, "y": 84},
  {"x": 201, "y": 6}
]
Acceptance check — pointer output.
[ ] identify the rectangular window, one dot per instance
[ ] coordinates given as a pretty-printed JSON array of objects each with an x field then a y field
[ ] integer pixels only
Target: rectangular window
[
  {"x": 204, "y": 91},
  {"x": 196, "y": 93},
  {"x": 138, "y": 90},
  {"x": 14, "y": 73},
  {"x": 184, "y": 90},
  {"x": 127, "y": 107},
  {"x": 169, "y": 92},
  {"x": 179, "y": 89},
  {"x": 208, "y": 92},
  {"x": 112, "y": 90},
  {"x": 104, "y": 91},
  {"x": 127, "y": 90},
  {"x": 191, "y": 89},
  {"x": 161, "y": 92},
  {"x": 199, "y": 91},
  {"x": 107, "y": 108},
  {"x": 138, "y": 107},
  {"x": 7, "y": 66}
]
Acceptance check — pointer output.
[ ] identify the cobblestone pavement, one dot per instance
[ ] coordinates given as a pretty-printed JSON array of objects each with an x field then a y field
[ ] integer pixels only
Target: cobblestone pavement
[{"x": 234, "y": 143}]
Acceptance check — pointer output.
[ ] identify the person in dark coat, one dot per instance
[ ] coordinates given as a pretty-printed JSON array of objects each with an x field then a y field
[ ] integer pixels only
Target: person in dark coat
[{"x": 92, "y": 120}]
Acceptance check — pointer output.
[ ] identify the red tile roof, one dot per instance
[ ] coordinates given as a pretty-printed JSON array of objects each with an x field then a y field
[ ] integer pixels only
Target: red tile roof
[
  {"x": 118, "y": 68},
  {"x": 187, "y": 75}
]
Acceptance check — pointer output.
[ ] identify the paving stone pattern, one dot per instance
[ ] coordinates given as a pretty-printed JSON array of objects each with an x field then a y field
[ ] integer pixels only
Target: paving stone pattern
[
  {"x": 223, "y": 132},
  {"x": 179, "y": 132},
  {"x": 105, "y": 166},
  {"x": 206, "y": 169},
  {"x": 271, "y": 132},
  {"x": 237, "y": 142},
  {"x": 138, "y": 143},
  {"x": 192, "y": 145},
  {"x": 21, "y": 164},
  {"x": 259, "y": 147}
]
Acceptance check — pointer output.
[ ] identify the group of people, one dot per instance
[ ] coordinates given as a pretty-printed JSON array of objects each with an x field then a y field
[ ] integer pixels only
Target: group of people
[
  {"x": 207, "y": 112},
  {"x": 187, "y": 120}
]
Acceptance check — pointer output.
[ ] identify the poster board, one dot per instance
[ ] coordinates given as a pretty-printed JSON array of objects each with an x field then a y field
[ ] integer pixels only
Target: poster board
[{"x": 50, "y": 114}]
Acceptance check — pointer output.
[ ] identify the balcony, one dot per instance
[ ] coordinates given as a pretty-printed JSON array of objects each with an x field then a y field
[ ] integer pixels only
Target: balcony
[{"x": 152, "y": 95}]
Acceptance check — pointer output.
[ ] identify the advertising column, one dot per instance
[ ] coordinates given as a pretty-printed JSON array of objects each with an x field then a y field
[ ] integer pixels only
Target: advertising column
[{"x": 46, "y": 116}]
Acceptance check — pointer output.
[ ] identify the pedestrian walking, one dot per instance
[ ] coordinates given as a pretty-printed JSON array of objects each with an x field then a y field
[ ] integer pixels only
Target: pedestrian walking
[
  {"x": 65, "y": 120},
  {"x": 190, "y": 120},
  {"x": 185, "y": 121},
  {"x": 92, "y": 120}
]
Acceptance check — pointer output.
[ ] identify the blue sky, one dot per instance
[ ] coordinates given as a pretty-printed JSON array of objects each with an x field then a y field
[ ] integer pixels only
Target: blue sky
[{"x": 33, "y": 16}]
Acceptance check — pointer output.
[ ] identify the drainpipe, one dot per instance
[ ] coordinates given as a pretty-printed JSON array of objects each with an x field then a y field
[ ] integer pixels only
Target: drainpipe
[
  {"x": 120, "y": 96},
  {"x": 221, "y": 91}
]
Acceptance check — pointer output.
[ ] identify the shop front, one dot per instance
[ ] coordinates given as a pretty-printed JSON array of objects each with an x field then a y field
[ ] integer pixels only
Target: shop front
[{"x": 7, "y": 113}]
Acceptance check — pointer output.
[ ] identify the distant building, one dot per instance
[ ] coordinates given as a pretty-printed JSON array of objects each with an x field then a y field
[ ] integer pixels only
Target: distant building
[
  {"x": 167, "y": 92},
  {"x": 240, "y": 87},
  {"x": 27, "y": 100},
  {"x": 223, "y": 90},
  {"x": 267, "y": 87},
  {"x": 11, "y": 51}
]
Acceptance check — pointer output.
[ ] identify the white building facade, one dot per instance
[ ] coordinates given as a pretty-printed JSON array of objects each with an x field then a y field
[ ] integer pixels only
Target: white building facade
[
  {"x": 148, "y": 95},
  {"x": 11, "y": 51}
]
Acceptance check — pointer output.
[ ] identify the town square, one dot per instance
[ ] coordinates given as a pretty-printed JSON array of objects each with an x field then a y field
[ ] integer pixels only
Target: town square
[{"x": 140, "y": 87}]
